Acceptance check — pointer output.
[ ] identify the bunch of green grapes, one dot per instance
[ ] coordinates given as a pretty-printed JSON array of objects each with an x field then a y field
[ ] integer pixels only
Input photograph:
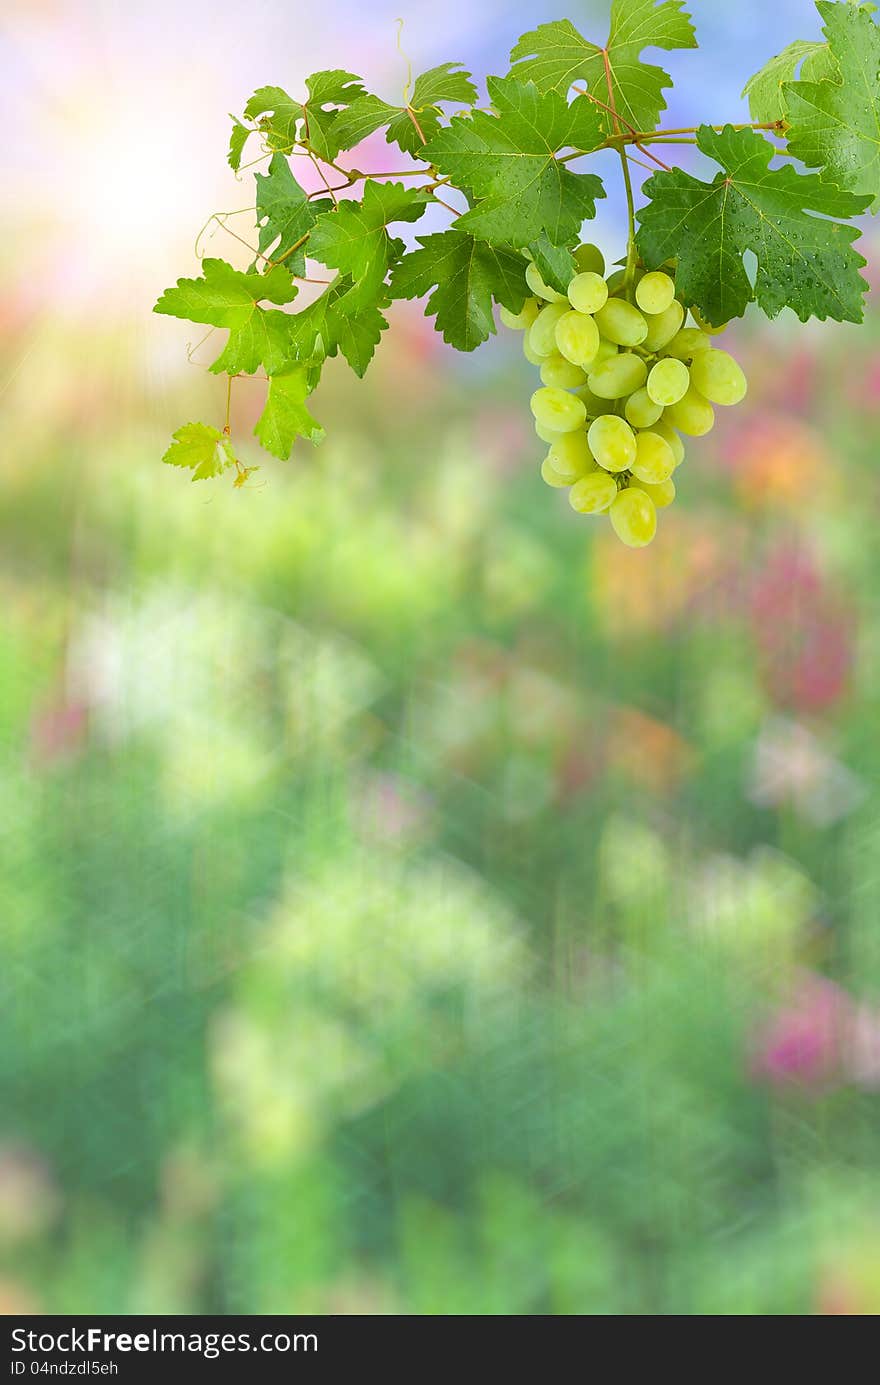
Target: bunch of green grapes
[{"x": 622, "y": 377}]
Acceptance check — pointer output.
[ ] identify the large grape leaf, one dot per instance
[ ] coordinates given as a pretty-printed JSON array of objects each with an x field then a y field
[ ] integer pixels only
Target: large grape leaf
[
  {"x": 286, "y": 417},
  {"x": 466, "y": 276},
  {"x": 438, "y": 84},
  {"x": 508, "y": 162},
  {"x": 354, "y": 239},
  {"x": 346, "y": 317},
  {"x": 555, "y": 56},
  {"x": 835, "y": 124},
  {"x": 805, "y": 261},
  {"x": 284, "y": 213},
  {"x": 203, "y": 449},
  {"x": 765, "y": 92}
]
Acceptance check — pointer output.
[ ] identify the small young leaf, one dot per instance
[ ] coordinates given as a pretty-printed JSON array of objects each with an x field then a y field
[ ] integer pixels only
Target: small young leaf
[
  {"x": 555, "y": 262},
  {"x": 508, "y": 161},
  {"x": 466, "y": 275},
  {"x": 329, "y": 92},
  {"x": 805, "y": 262},
  {"x": 438, "y": 84},
  {"x": 201, "y": 448},
  {"x": 555, "y": 56},
  {"x": 237, "y": 141},
  {"x": 835, "y": 124},
  {"x": 285, "y": 417},
  {"x": 353, "y": 237},
  {"x": 280, "y": 116}
]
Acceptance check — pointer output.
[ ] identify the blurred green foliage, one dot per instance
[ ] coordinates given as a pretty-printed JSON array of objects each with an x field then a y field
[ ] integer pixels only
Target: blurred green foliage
[{"x": 410, "y": 902}]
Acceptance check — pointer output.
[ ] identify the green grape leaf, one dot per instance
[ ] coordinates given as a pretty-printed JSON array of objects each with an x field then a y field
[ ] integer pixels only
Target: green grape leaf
[
  {"x": 555, "y": 262},
  {"x": 330, "y": 94},
  {"x": 285, "y": 417},
  {"x": 438, "y": 84},
  {"x": 466, "y": 275},
  {"x": 835, "y": 124},
  {"x": 333, "y": 96},
  {"x": 344, "y": 318},
  {"x": 360, "y": 119},
  {"x": 284, "y": 213},
  {"x": 555, "y": 56},
  {"x": 354, "y": 239},
  {"x": 277, "y": 115},
  {"x": 262, "y": 341},
  {"x": 805, "y": 262},
  {"x": 508, "y": 162},
  {"x": 201, "y": 448},
  {"x": 765, "y": 92},
  {"x": 237, "y": 141},
  {"x": 225, "y": 297}
]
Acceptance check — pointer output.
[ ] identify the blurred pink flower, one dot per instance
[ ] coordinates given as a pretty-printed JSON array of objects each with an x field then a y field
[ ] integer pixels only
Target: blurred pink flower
[
  {"x": 390, "y": 810},
  {"x": 58, "y": 731},
  {"x": 820, "y": 1038},
  {"x": 792, "y": 768},
  {"x": 803, "y": 631}
]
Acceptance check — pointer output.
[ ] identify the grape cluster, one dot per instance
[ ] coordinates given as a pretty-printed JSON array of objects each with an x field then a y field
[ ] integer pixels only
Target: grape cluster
[{"x": 622, "y": 376}]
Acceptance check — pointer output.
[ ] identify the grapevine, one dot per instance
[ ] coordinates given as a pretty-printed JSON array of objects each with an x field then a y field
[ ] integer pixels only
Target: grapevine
[{"x": 628, "y": 360}]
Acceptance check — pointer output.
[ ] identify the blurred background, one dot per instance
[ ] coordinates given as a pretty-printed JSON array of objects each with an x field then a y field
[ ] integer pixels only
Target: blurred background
[{"x": 411, "y": 901}]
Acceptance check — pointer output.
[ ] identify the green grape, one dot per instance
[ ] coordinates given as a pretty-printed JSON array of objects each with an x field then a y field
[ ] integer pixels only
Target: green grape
[
  {"x": 662, "y": 495},
  {"x": 587, "y": 293},
  {"x": 617, "y": 280},
  {"x": 662, "y": 327},
  {"x": 641, "y": 411},
  {"x": 622, "y": 323},
  {"x": 518, "y": 322},
  {"x": 542, "y": 333},
  {"x": 593, "y": 494},
  {"x": 668, "y": 382},
  {"x": 654, "y": 461},
  {"x": 577, "y": 338},
  {"x": 693, "y": 414},
  {"x": 589, "y": 259},
  {"x": 612, "y": 442},
  {"x": 634, "y": 517},
  {"x": 719, "y": 377},
  {"x": 529, "y": 351},
  {"x": 687, "y": 343},
  {"x": 707, "y": 327},
  {"x": 551, "y": 476},
  {"x": 561, "y": 374},
  {"x": 621, "y": 375},
  {"x": 594, "y": 405},
  {"x": 538, "y": 287},
  {"x": 548, "y": 435},
  {"x": 669, "y": 435},
  {"x": 607, "y": 349},
  {"x": 556, "y": 409},
  {"x": 655, "y": 293},
  {"x": 570, "y": 455}
]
